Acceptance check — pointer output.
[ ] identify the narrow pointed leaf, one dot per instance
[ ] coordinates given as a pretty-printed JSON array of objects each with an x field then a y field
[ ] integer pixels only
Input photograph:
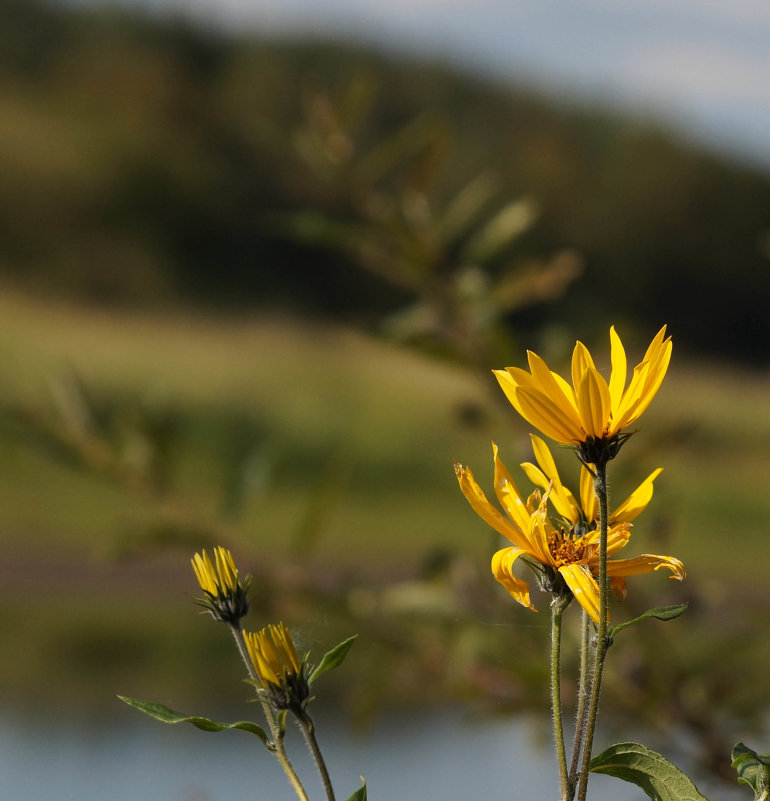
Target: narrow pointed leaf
[
  {"x": 659, "y": 613},
  {"x": 753, "y": 769},
  {"x": 660, "y": 779},
  {"x": 333, "y": 658},
  {"x": 360, "y": 793},
  {"x": 166, "y": 715}
]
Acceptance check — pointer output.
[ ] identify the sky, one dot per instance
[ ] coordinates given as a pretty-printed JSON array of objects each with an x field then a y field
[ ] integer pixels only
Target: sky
[{"x": 701, "y": 66}]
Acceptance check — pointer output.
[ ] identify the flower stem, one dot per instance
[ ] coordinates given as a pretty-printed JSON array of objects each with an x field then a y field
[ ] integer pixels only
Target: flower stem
[
  {"x": 277, "y": 746},
  {"x": 307, "y": 727},
  {"x": 580, "y": 717},
  {"x": 558, "y": 606},
  {"x": 600, "y": 487}
]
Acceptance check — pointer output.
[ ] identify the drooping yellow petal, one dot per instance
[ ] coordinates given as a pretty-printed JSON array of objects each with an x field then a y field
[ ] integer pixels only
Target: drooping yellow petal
[
  {"x": 508, "y": 493},
  {"x": 484, "y": 509},
  {"x": 584, "y": 587},
  {"x": 619, "y": 368},
  {"x": 502, "y": 569},
  {"x": 561, "y": 497},
  {"x": 646, "y": 563},
  {"x": 594, "y": 404},
  {"x": 636, "y": 502},
  {"x": 537, "y": 409}
]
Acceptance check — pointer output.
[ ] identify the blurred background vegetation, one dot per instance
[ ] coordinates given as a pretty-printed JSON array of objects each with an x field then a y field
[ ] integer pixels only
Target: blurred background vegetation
[{"x": 251, "y": 293}]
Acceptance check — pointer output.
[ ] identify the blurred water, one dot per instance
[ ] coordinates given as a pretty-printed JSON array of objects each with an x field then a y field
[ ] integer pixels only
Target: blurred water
[{"x": 429, "y": 757}]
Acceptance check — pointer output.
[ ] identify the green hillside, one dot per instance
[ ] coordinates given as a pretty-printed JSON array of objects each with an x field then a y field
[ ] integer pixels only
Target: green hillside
[{"x": 146, "y": 160}]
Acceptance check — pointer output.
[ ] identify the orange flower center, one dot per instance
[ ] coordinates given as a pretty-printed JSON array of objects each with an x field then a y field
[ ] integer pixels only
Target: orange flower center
[{"x": 565, "y": 549}]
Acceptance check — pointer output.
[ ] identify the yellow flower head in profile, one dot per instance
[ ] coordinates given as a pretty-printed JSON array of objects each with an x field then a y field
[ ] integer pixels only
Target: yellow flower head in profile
[
  {"x": 563, "y": 545},
  {"x": 277, "y": 666},
  {"x": 591, "y": 413},
  {"x": 226, "y": 595}
]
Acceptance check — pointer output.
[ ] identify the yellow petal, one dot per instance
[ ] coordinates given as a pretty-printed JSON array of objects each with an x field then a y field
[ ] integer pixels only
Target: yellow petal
[
  {"x": 588, "y": 495},
  {"x": 502, "y": 570},
  {"x": 484, "y": 509},
  {"x": 619, "y": 368},
  {"x": 546, "y": 416},
  {"x": 508, "y": 493},
  {"x": 535, "y": 475},
  {"x": 625, "y": 413},
  {"x": 594, "y": 404},
  {"x": 584, "y": 588},
  {"x": 636, "y": 502},
  {"x": 581, "y": 362},
  {"x": 646, "y": 563},
  {"x": 554, "y": 387},
  {"x": 656, "y": 374},
  {"x": 510, "y": 379}
]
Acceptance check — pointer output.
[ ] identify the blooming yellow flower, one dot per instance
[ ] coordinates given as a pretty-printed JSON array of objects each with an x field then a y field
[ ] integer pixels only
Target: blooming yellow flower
[
  {"x": 592, "y": 410},
  {"x": 277, "y": 666},
  {"x": 226, "y": 595},
  {"x": 565, "y": 545}
]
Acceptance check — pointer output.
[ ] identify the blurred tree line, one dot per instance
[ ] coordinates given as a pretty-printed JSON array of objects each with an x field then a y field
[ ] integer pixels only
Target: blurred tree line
[{"x": 146, "y": 160}]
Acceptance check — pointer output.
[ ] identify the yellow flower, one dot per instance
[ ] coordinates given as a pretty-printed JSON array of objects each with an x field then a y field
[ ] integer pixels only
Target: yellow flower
[
  {"x": 277, "y": 666},
  {"x": 226, "y": 595},
  {"x": 562, "y": 547},
  {"x": 592, "y": 411}
]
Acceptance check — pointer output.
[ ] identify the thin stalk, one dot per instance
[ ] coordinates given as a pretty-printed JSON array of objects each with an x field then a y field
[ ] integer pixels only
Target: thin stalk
[
  {"x": 580, "y": 717},
  {"x": 277, "y": 746},
  {"x": 600, "y": 487},
  {"x": 557, "y": 610},
  {"x": 307, "y": 727}
]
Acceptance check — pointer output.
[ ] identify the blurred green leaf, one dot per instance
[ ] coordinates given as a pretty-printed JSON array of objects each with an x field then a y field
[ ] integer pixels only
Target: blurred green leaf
[
  {"x": 753, "y": 769},
  {"x": 501, "y": 230},
  {"x": 637, "y": 764},
  {"x": 333, "y": 658},
  {"x": 166, "y": 715}
]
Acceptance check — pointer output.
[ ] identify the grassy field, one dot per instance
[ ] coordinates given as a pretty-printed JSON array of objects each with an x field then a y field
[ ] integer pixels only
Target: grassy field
[{"x": 348, "y": 443}]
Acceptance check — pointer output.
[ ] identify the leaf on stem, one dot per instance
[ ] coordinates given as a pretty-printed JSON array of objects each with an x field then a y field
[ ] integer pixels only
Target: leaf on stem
[
  {"x": 637, "y": 764},
  {"x": 360, "y": 793},
  {"x": 166, "y": 715},
  {"x": 753, "y": 769},
  {"x": 333, "y": 658},
  {"x": 659, "y": 613}
]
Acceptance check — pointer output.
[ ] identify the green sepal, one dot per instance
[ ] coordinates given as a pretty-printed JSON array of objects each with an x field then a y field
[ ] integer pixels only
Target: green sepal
[
  {"x": 753, "y": 769},
  {"x": 332, "y": 659},
  {"x": 360, "y": 793},
  {"x": 659, "y": 778},
  {"x": 166, "y": 715},
  {"x": 659, "y": 613}
]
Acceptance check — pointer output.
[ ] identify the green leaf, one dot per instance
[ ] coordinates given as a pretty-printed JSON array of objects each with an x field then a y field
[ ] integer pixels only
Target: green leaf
[
  {"x": 753, "y": 769},
  {"x": 659, "y": 778},
  {"x": 166, "y": 715},
  {"x": 659, "y": 613},
  {"x": 360, "y": 793},
  {"x": 333, "y": 658}
]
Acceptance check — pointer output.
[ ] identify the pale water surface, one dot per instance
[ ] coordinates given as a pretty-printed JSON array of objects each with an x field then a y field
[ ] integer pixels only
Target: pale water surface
[{"x": 429, "y": 757}]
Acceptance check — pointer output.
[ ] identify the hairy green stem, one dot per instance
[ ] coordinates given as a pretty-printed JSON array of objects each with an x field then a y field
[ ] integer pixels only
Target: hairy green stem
[
  {"x": 558, "y": 605},
  {"x": 600, "y": 487},
  {"x": 580, "y": 717},
  {"x": 307, "y": 727},
  {"x": 277, "y": 746}
]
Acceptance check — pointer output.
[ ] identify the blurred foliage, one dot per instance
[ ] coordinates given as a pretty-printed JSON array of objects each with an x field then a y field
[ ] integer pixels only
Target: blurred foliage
[{"x": 146, "y": 159}]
